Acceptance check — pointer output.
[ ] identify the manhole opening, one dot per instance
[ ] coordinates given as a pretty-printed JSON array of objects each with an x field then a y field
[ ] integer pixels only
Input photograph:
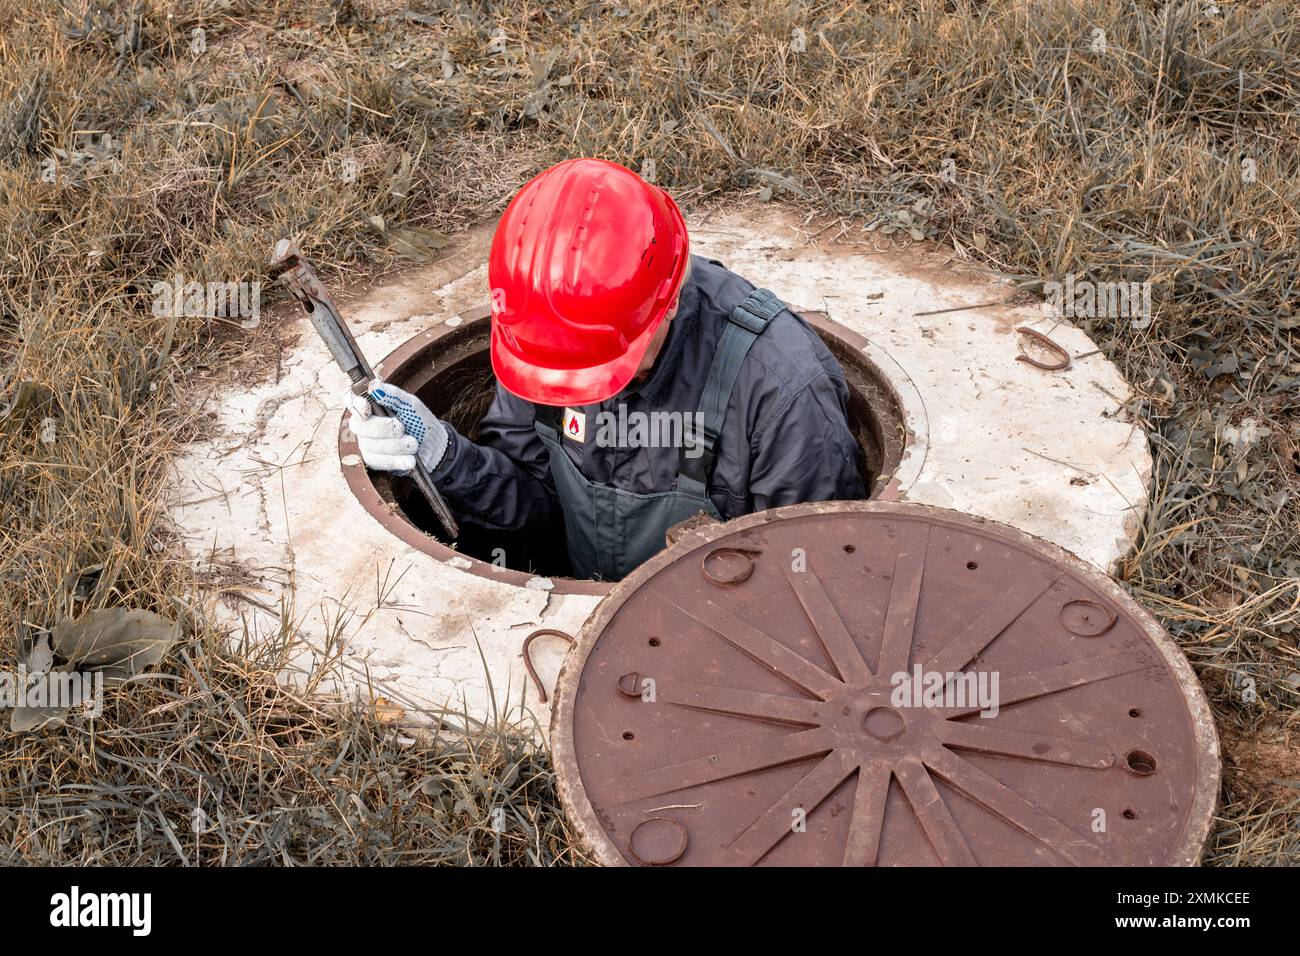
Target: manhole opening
[{"x": 449, "y": 368}]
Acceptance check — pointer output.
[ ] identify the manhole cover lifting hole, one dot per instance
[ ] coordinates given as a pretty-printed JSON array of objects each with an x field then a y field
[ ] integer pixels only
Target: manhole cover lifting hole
[{"x": 876, "y": 683}]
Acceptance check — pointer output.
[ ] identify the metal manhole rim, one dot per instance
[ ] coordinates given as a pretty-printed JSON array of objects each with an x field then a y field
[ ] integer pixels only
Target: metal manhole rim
[{"x": 591, "y": 835}]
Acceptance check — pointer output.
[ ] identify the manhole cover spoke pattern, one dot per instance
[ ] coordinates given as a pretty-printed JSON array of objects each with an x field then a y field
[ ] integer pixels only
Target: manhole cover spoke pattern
[{"x": 879, "y": 684}]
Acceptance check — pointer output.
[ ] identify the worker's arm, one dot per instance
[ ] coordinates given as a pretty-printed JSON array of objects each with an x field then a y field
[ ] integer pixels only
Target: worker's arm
[
  {"x": 802, "y": 450},
  {"x": 502, "y": 482}
]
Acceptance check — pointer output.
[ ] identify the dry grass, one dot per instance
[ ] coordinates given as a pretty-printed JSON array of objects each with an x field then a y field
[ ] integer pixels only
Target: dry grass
[
  {"x": 1115, "y": 165},
  {"x": 219, "y": 761}
]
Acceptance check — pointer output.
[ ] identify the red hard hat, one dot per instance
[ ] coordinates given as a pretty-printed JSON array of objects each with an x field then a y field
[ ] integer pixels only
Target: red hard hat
[{"x": 585, "y": 264}]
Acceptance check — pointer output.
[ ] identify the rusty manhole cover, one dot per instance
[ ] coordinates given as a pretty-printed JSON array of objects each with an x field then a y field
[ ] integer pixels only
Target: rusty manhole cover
[{"x": 872, "y": 683}]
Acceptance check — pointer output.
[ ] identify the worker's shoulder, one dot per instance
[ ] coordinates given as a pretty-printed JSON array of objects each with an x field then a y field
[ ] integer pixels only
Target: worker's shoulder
[{"x": 788, "y": 355}]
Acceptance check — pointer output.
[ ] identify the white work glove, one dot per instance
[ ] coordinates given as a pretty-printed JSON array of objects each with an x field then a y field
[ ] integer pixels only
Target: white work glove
[{"x": 391, "y": 444}]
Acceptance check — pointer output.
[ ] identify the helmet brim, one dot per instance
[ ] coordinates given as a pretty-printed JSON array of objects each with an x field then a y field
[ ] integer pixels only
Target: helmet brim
[{"x": 569, "y": 386}]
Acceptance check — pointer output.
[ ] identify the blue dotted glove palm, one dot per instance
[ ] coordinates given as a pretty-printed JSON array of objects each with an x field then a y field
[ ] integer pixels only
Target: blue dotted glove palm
[{"x": 392, "y": 444}]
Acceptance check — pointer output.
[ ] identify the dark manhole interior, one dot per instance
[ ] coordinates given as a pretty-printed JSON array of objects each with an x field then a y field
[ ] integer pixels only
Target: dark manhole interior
[{"x": 450, "y": 370}]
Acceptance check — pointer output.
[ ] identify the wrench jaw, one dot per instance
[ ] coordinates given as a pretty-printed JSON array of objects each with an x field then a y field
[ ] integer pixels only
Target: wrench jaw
[
  {"x": 295, "y": 274},
  {"x": 286, "y": 256}
]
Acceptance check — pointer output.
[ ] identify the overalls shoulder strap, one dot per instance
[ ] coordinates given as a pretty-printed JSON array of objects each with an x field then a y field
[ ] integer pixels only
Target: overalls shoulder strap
[{"x": 745, "y": 324}]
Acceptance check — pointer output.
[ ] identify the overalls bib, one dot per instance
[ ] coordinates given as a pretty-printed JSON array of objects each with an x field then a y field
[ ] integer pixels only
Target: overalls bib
[{"x": 610, "y": 531}]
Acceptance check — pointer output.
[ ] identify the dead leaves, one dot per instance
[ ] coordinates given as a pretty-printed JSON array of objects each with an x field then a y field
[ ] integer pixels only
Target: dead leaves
[
  {"x": 67, "y": 666},
  {"x": 410, "y": 242}
]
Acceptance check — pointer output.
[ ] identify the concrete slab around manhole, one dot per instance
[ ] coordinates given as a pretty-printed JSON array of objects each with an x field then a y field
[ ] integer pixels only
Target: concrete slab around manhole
[{"x": 265, "y": 500}]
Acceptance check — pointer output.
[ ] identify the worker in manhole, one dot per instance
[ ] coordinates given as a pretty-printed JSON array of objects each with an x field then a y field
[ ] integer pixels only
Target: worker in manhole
[{"x": 637, "y": 385}]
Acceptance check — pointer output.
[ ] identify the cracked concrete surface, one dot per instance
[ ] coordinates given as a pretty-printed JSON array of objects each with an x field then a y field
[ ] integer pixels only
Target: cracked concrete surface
[{"x": 1048, "y": 452}]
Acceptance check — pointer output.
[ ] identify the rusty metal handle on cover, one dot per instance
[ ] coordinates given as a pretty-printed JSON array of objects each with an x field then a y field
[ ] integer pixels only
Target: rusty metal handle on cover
[{"x": 528, "y": 661}]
